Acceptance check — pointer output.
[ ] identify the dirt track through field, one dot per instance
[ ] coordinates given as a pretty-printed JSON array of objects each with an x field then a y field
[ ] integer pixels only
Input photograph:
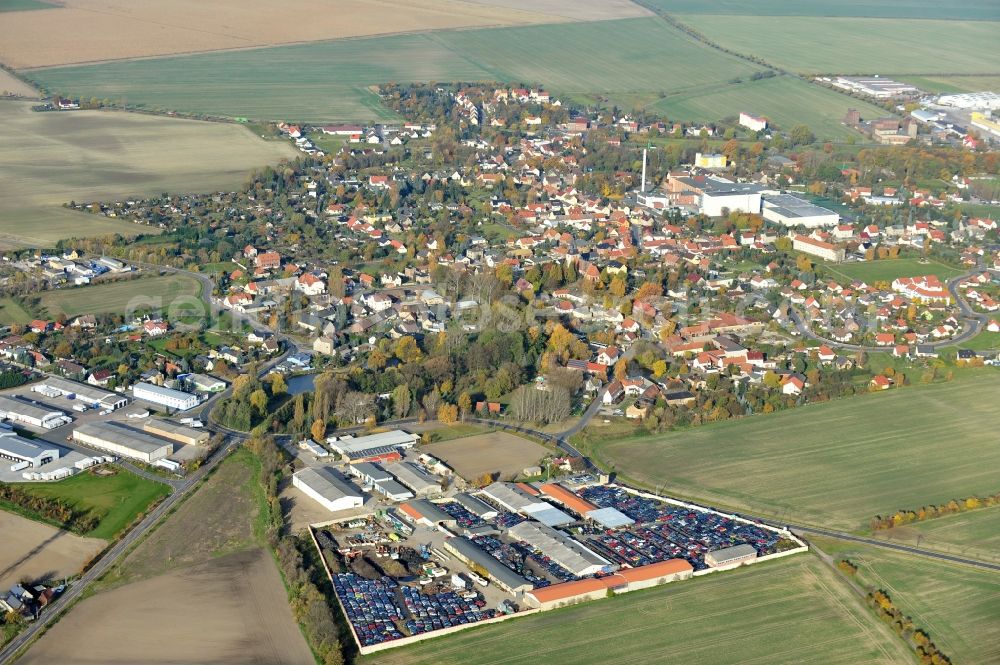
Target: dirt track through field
[
  {"x": 35, "y": 550},
  {"x": 231, "y": 610}
]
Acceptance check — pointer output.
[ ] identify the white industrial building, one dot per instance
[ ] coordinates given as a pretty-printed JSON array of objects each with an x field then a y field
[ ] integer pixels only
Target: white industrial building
[
  {"x": 168, "y": 397},
  {"x": 563, "y": 550},
  {"x": 27, "y": 413},
  {"x": 753, "y": 123},
  {"x": 418, "y": 480},
  {"x": 25, "y": 452},
  {"x": 168, "y": 429},
  {"x": 731, "y": 556},
  {"x": 373, "y": 444},
  {"x": 713, "y": 196},
  {"x": 875, "y": 86},
  {"x": 986, "y": 101},
  {"x": 122, "y": 440},
  {"x": 792, "y": 211},
  {"x": 328, "y": 488},
  {"x": 89, "y": 395}
]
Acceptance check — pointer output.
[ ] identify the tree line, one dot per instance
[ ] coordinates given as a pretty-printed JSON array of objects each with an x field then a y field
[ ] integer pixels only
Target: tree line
[
  {"x": 932, "y": 511},
  {"x": 55, "y": 510}
]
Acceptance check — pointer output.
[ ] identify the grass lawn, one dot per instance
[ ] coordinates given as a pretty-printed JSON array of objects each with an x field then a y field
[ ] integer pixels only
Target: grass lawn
[
  {"x": 332, "y": 80},
  {"x": 982, "y": 341},
  {"x": 969, "y": 9},
  {"x": 160, "y": 292},
  {"x": 889, "y": 269},
  {"x": 958, "y": 606},
  {"x": 893, "y": 46},
  {"x": 836, "y": 463},
  {"x": 220, "y": 267},
  {"x": 117, "y": 499},
  {"x": 788, "y": 611},
  {"x": 12, "y": 311},
  {"x": 784, "y": 100}
]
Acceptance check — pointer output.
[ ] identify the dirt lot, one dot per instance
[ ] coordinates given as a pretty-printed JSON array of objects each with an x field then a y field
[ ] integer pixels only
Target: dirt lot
[
  {"x": 229, "y": 610},
  {"x": 495, "y": 452},
  {"x": 144, "y": 28},
  {"x": 49, "y": 159},
  {"x": 32, "y": 549}
]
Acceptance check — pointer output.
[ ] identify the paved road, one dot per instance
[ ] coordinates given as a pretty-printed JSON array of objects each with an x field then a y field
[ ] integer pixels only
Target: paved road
[
  {"x": 974, "y": 322},
  {"x": 76, "y": 590}
]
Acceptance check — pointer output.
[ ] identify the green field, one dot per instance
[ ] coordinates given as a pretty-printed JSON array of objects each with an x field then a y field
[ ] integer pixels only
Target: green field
[
  {"x": 11, "y": 311},
  {"x": 836, "y": 463},
  {"x": 784, "y": 100},
  {"x": 23, "y": 5},
  {"x": 968, "y": 9},
  {"x": 331, "y": 80},
  {"x": 788, "y": 611},
  {"x": 50, "y": 159},
  {"x": 890, "y": 269},
  {"x": 117, "y": 499},
  {"x": 859, "y": 45},
  {"x": 943, "y": 84},
  {"x": 975, "y": 534},
  {"x": 958, "y": 606},
  {"x": 983, "y": 341},
  {"x": 121, "y": 297}
]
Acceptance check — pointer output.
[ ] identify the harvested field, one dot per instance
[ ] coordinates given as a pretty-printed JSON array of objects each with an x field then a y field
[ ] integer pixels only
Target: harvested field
[
  {"x": 145, "y": 28},
  {"x": 836, "y": 463},
  {"x": 331, "y": 81},
  {"x": 496, "y": 452},
  {"x": 49, "y": 159},
  {"x": 230, "y": 610},
  {"x": 162, "y": 292},
  {"x": 11, "y": 85},
  {"x": 39, "y": 551},
  {"x": 783, "y": 612}
]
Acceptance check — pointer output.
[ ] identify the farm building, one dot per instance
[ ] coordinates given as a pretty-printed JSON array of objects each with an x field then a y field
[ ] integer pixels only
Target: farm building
[
  {"x": 373, "y": 445},
  {"x": 422, "y": 511},
  {"x": 789, "y": 210},
  {"x": 328, "y": 488},
  {"x": 418, "y": 480},
  {"x": 122, "y": 440},
  {"x": 23, "y": 451},
  {"x": 166, "y": 397},
  {"x": 472, "y": 554},
  {"x": 729, "y": 556},
  {"x": 168, "y": 429},
  {"x": 22, "y": 411},
  {"x": 568, "y": 553},
  {"x": 89, "y": 395}
]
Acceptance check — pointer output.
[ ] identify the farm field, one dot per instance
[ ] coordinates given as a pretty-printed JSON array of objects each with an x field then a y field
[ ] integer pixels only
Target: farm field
[
  {"x": 116, "y": 499},
  {"x": 33, "y": 550},
  {"x": 11, "y": 85},
  {"x": 893, "y": 46},
  {"x": 11, "y": 311},
  {"x": 23, "y": 5},
  {"x": 158, "y": 292},
  {"x": 971, "y": 9},
  {"x": 957, "y": 605},
  {"x": 787, "y": 611},
  {"x": 890, "y": 269},
  {"x": 837, "y": 463},
  {"x": 942, "y": 84},
  {"x": 975, "y": 534},
  {"x": 50, "y": 159},
  {"x": 145, "y": 28},
  {"x": 229, "y": 611},
  {"x": 495, "y": 452},
  {"x": 784, "y": 100},
  {"x": 332, "y": 80},
  {"x": 217, "y": 520}
]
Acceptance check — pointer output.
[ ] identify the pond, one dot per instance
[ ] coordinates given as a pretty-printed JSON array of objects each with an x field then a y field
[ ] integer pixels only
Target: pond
[{"x": 302, "y": 383}]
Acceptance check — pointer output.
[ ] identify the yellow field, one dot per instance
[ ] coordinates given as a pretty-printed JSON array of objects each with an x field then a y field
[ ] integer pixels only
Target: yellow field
[
  {"x": 49, "y": 159},
  {"x": 144, "y": 28}
]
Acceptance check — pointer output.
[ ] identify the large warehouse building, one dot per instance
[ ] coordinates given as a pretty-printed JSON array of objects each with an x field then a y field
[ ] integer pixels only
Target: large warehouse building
[
  {"x": 23, "y": 451},
  {"x": 167, "y": 397},
  {"x": 328, "y": 488},
  {"x": 26, "y": 413},
  {"x": 712, "y": 195},
  {"x": 122, "y": 440},
  {"x": 418, "y": 480},
  {"x": 168, "y": 429},
  {"x": 789, "y": 210},
  {"x": 504, "y": 577},
  {"x": 568, "y": 553},
  {"x": 373, "y": 445},
  {"x": 89, "y": 395},
  {"x": 731, "y": 556}
]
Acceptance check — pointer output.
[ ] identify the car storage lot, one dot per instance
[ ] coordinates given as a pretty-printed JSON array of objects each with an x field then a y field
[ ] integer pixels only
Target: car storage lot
[{"x": 494, "y": 452}]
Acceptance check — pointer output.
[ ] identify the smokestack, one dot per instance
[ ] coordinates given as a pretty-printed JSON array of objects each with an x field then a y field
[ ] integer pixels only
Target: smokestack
[{"x": 643, "y": 187}]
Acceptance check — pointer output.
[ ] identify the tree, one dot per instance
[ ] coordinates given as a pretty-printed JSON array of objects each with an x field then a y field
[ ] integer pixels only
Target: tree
[
  {"x": 659, "y": 368},
  {"x": 258, "y": 401},
  {"x": 448, "y": 414},
  {"x": 407, "y": 350},
  {"x": 278, "y": 385},
  {"x": 801, "y": 135},
  {"x": 401, "y": 399},
  {"x": 621, "y": 370},
  {"x": 617, "y": 287},
  {"x": 318, "y": 430},
  {"x": 464, "y": 403}
]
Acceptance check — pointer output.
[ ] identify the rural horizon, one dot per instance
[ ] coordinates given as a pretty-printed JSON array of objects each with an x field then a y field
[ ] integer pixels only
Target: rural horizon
[{"x": 391, "y": 332}]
